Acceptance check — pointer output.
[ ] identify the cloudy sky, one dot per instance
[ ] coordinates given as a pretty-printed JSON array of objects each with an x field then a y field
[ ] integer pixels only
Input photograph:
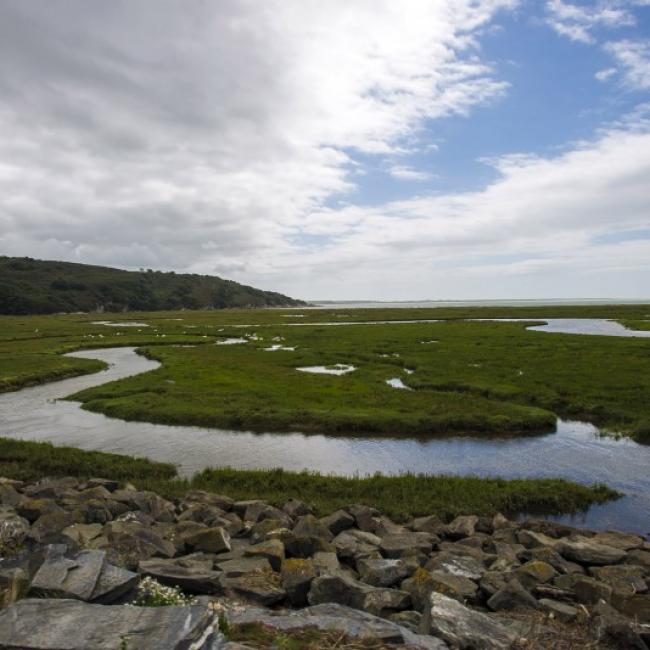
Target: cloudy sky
[{"x": 342, "y": 149}]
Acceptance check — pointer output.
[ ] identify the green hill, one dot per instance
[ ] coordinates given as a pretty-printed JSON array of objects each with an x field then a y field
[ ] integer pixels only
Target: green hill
[{"x": 29, "y": 286}]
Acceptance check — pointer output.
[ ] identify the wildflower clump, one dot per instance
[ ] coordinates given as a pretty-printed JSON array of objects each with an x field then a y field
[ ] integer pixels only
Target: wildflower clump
[{"x": 151, "y": 593}]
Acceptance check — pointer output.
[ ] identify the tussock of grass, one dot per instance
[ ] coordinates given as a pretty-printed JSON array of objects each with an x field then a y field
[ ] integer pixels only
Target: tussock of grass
[{"x": 399, "y": 497}]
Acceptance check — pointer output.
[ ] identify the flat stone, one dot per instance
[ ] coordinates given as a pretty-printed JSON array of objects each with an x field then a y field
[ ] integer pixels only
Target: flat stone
[
  {"x": 463, "y": 526},
  {"x": 383, "y": 573},
  {"x": 512, "y": 596},
  {"x": 431, "y": 524},
  {"x": 296, "y": 576},
  {"x": 615, "y": 539},
  {"x": 261, "y": 587},
  {"x": 62, "y": 577},
  {"x": 623, "y": 578},
  {"x": 534, "y": 572},
  {"x": 236, "y": 568},
  {"x": 114, "y": 583},
  {"x": 586, "y": 551},
  {"x": 338, "y": 521},
  {"x": 44, "y": 624},
  {"x": 346, "y": 591},
  {"x": 560, "y": 611},
  {"x": 467, "y": 567},
  {"x": 454, "y": 586},
  {"x": 212, "y": 540},
  {"x": 399, "y": 544},
  {"x": 83, "y": 534},
  {"x": 462, "y": 627},
  {"x": 338, "y": 618},
  {"x": 271, "y": 549},
  {"x": 194, "y": 579}
]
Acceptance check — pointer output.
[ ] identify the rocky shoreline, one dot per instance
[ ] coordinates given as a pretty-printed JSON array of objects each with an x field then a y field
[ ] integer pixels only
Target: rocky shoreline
[{"x": 76, "y": 556}]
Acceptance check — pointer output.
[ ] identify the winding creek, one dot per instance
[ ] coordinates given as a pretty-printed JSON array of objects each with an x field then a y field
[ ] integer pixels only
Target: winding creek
[{"x": 574, "y": 451}]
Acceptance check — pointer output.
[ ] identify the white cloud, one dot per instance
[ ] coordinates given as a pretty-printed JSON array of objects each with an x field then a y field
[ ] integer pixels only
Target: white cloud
[
  {"x": 547, "y": 226},
  {"x": 605, "y": 74},
  {"x": 577, "y": 22},
  {"x": 406, "y": 173},
  {"x": 200, "y": 135},
  {"x": 634, "y": 58}
]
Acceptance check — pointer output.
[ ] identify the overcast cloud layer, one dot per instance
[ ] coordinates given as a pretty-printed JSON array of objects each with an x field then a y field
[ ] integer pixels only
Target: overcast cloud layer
[{"x": 231, "y": 137}]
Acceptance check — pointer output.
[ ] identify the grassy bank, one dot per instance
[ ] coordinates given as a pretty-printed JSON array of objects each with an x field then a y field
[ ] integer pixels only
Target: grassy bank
[{"x": 399, "y": 497}]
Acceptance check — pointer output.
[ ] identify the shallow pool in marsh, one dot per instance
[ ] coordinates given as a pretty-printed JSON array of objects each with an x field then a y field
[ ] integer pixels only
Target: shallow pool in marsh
[{"x": 575, "y": 451}]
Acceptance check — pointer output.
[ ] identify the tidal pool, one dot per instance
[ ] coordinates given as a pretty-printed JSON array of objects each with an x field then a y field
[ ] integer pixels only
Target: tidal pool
[
  {"x": 575, "y": 451},
  {"x": 335, "y": 369}
]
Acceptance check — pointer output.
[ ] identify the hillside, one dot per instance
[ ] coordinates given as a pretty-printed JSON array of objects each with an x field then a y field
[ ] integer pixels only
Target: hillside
[{"x": 29, "y": 286}]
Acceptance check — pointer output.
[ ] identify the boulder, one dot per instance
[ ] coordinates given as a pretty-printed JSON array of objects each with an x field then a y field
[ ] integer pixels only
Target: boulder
[
  {"x": 534, "y": 572},
  {"x": 108, "y": 484},
  {"x": 383, "y": 573},
  {"x": 114, "y": 583},
  {"x": 585, "y": 550},
  {"x": 261, "y": 587},
  {"x": 218, "y": 500},
  {"x": 419, "y": 586},
  {"x": 622, "y": 578},
  {"x": 83, "y": 534},
  {"x": 309, "y": 526},
  {"x": 338, "y": 521},
  {"x": 615, "y": 539},
  {"x": 431, "y": 524},
  {"x": 400, "y": 544},
  {"x": 242, "y": 567},
  {"x": 44, "y": 624},
  {"x": 296, "y": 577},
  {"x": 346, "y": 591},
  {"x": 326, "y": 563},
  {"x": 355, "y": 544},
  {"x": 333, "y": 617},
  {"x": 512, "y": 596},
  {"x": 51, "y": 523},
  {"x": 74, "y": 577},
  {"x": 467, "y": 567},
  {"x": 32, "y": 509},
  {"x": 462, "y": 627},
  {"x": 296, "y": 508},
  {"x": 211, "y": 540},
  {"x": 558, "y": 610},
  {"x": 13, "y": 530},
  {"x": 131, "y": 541},
  {"x": 635, "y": 606},
  {"x": 463, "y": 526},
  {"x": 191, "y": 578},
  {"x": 613, "y": 630},
  {"x": 457, "y": 587},
  {"x": 585, "y": 589},
  {"x": 272, "y": 550}
]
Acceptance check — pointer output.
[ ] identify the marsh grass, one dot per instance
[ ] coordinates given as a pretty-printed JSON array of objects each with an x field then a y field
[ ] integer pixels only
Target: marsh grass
[
  {"x": 480, "y": 378},
  {"x": 400, "y": 497}
]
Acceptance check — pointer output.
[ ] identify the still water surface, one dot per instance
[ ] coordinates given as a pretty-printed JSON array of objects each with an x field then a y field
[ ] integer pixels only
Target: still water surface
[{"x": 574, "y": 451}]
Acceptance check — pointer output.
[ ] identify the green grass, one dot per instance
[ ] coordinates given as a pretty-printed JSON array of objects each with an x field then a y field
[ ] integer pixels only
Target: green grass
[
  {"x": 479, "y": 378},
  {"x": 400, "y": 497}
]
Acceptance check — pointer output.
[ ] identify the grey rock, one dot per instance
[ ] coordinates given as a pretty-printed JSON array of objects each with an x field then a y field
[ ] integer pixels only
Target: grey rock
[
  {"x": 463, "y": 526},
  {"x": 613, "y": 630},
  {"x": 107, "y": 484},
  {"x": 191, "y": 578},
  {"x": 296, "y": 577},
  {"x": 261, "y": 587},
  {"x": 559, "y": 610},
  {"x": 114, "y": 583},
  {"x": 346, "y": 591},
  {"x": 341, "y": 619},
  {"x": 13, "y": 530},
  {"x": 457, "y": 587},
  {"x": 585, "y": 589},
  {"x": 338, "y": 521},
  {"x": 296, "y": 508},
  {"x": 212, "y": 540},
  {"x": 44, "y": 624},
  {"x": 462, "y": 627},
  {"x": 464, "y": 566},
  {"x": 309, "y": 526},
  {"x": 512, "y": 596},
  {"x": 218, "y": 500},
  {"x": 400, "y": 544},
  {"x": 431, "y": 524},
  {"x": 622, "y": 578},
  {"x": 326, "y": 563},
  {"x": 271, "y": 549},
  {"x": 383, "y": 573},
  {"x": 587, "y": 551},
  {"x": 74, "y": 577},
  {"x": 236, "y": 568},
  {"x": 14, "y": 583},
  {"x": 615, "y": 539}
]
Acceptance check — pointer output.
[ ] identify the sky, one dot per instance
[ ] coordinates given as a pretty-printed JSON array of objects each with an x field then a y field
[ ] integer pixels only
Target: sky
[{"x": 348, "y": 149}]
